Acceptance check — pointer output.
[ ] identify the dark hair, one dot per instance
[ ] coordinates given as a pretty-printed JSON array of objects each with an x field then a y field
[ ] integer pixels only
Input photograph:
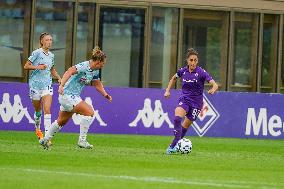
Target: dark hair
[
  {"x": 98, "y": 54},
  {"x": 41, "y": 37},
  {"x": 191, "y": 51}
]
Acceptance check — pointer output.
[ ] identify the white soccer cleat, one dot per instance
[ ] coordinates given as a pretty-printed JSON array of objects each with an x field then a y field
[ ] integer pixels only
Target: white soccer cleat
[{"x": 85, "y": 144}]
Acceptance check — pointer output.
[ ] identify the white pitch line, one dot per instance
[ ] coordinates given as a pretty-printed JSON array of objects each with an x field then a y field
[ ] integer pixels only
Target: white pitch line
[{"x": 134, "y": 178}]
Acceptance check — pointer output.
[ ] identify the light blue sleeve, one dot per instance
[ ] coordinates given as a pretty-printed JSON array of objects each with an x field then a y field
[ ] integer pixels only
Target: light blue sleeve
[
  {"x": 33, "y": 56},
  {"x": 96, "y": 76},
  {"x": 82, "y": 67}
]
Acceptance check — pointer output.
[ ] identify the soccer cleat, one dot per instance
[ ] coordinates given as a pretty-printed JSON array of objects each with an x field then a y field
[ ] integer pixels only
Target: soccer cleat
[
  {"x": 85, "y": 144},
  {"x": 44, "y": 143},
  {"x": 39, "y": 134},
  {"x": 172, "y": 150}
]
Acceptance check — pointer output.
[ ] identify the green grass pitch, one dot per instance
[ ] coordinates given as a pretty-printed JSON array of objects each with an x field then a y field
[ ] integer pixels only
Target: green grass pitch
[{"x": 135, "y": 161}]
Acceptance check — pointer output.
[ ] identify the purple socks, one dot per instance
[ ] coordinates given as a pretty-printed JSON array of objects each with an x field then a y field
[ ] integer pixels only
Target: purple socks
[
  {"x": 183, "y": 132},
  {"x": 177, "y": 131}
]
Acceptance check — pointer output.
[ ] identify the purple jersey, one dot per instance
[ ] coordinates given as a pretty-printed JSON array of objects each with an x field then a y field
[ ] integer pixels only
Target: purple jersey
[{"x": 193, "y": 85}]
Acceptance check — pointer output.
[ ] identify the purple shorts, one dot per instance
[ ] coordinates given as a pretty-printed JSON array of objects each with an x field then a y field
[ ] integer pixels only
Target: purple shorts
[{"x": 191, "y": 112}]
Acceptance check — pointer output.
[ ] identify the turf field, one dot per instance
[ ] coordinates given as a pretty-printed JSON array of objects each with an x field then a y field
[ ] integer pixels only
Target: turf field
[{"x": 135, "y": 161}]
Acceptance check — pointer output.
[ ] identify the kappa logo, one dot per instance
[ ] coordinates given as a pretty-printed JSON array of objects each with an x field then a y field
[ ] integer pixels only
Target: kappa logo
[
  {"x": 14, "y": 112},
  {"x": 206, "y": 118},
  {"x": 148, "y": 116},
  {"x": 77, "y": 117}
]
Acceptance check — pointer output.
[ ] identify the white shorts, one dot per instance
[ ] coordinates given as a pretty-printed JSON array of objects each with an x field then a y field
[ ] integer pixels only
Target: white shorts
[
  {"x": 68, "y": 102},
  {"x": 38, "y": 94}
]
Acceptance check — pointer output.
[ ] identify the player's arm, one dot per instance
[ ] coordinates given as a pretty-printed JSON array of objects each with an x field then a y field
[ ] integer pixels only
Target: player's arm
[
  {"x": 71, "y": 71},
  {"x": 214, "y": 87},
  {"x": 29, "y": 66},
  {"x": 55, "y": 74},
  {"x": 172, "y": 81},
  {"x": 100, "y": 88}
]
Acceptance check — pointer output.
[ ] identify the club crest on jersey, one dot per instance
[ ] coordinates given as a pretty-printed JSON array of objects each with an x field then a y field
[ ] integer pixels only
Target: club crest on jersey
[
  {"x": 86, "y": 79},
  {"x": 83, "y": 80}
]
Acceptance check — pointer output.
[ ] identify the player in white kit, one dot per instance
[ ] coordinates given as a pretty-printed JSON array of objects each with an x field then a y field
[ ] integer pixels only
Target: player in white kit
[
  {"x": 41, "y": 64},
  {"x": 72, "y": 84}
]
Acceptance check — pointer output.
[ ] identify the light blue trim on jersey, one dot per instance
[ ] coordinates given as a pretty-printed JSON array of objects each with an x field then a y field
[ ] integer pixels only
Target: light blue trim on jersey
[
  {"x": 176, "y": 75},
  {"x": 41, "y": 79},
  {"x": 77, "y": 82}
]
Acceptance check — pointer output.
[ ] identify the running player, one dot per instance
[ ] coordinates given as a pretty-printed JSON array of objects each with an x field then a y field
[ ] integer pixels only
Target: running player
[
  {"x": 72, "y": 83},
  {"x": 41, "y": 62},
  {"x": 190, "y": 103}
]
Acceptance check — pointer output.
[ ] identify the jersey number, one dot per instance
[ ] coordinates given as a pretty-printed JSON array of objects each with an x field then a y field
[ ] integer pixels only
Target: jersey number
[{"x": 195, "y": 113}]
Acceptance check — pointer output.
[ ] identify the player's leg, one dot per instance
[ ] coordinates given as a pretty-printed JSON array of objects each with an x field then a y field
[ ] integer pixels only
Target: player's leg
[
  {"x": 179, "y": 115},
  {"x": 36, "y": 101},
  {"x": 46, "y": 103},
  {"x": 55, "y": 127},
  {"x": 66, "y": 106},
  {"x": 62, "y": 119},
  {"x": 180, "y": 112},
  {"x": 190, "y": 117},
  {"x": 185, "y": 125},
  {"x": 37, "y": 117},
  {"x": 87, "y": 113}
]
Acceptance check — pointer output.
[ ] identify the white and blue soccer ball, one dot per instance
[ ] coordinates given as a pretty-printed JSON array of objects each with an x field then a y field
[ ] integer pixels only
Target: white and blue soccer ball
[{"x": 184, "y": 146}]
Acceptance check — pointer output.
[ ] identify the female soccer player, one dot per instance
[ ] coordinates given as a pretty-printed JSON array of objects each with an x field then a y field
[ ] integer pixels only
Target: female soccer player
[
  {"x": 191, "y": 99},
  {"x": 72, "y": 83},
  {"x": 41, "y": 62}
]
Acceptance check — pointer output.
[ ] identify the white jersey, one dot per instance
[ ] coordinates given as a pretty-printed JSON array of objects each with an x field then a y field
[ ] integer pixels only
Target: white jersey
[
  {"x": 41, "y": 79},
  {"x": 76, "y": 82}
]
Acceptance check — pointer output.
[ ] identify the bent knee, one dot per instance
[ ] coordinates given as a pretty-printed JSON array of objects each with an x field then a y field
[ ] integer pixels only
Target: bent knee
[
  {"x": 89, "y": 113},
  {"x": 62, "y": 122}
]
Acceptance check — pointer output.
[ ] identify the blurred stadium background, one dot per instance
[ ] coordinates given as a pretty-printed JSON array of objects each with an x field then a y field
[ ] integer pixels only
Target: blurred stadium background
[{"x": 240, "y": 43}]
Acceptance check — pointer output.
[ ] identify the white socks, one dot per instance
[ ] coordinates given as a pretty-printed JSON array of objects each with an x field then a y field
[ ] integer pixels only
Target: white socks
[
  {"x": 47, "y": 122},
  {"x": 54, "y": 128},
  {"x": 84, "y": 127}
]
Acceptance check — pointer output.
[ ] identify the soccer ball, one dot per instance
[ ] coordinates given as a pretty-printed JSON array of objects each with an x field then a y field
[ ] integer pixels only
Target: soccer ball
[{"x": 184, "y": 146}]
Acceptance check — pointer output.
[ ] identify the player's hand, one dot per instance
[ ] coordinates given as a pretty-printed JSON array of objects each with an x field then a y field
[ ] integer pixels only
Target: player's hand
[
  {"x": 167, "y": 94},
  {"x": 60, "y": 90},
  {"x": 211, "y": 91},
  {"x": 41, "y": 66},
  {"x": 108, "y": 97}
]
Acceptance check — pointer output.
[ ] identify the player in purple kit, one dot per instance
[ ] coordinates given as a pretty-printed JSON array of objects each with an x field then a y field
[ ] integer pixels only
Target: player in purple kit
[{"x": 190, "y": 103}]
